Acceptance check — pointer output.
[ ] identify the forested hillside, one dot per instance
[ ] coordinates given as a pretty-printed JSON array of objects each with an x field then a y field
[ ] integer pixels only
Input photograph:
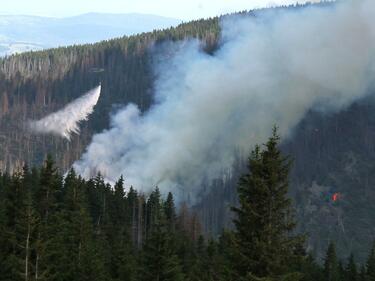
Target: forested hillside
[
  {"x": 34, "y": 84},
  {"x": 75, "y": 229},
  {"x": 333, "y": 153}
]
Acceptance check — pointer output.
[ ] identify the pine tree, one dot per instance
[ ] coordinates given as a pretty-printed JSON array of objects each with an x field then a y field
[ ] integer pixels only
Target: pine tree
[
  {"x": 362, "y": 274},
  {"x": 118, "y": 207},
  {"x": 160, "y": 263},
  {"x": 198, "y": 269},
  {"x": 65, "y": 242},
  {"x": 331, "y": 264},
  {"x": 159, "y": 259},
  {"x": 341, "y": 271},
  {"x": 47, "y": 195},
  {"x": 73, "y": 252},
  {"x": 186, "y": 234},
  {"x": 264, "y": 243},
  {"x": 11, "y": 267},
  {"x": 48, "y": 189},
  {"x": 170, "y": 212},
  {"x": 153, "y": 211},
  {"x": 132, "y": 203},
  {"x": 18, "y": 224},
  {"x": 370, "y": 265},
  {"x": 3, "y": 236},
  {"x": 123, "y": 261},
  {"x": 351, "y": 271},
  {"x": 311, "y": 270},
  {"x": 27, "y": 225}
]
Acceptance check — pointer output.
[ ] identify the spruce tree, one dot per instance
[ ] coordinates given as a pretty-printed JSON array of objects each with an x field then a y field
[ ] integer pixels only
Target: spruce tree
[
  {"x": 160, "y": 262},
  {"x": 351, "y": 271},
  {"x": 153, "y": 211},
  {"x": 3, "y": 237},
  {"x": 11, "y": 266},
  {"x": 199, "y": 270},
  {"x": 370, "y": 265},
  {"x": 159, "y": 259},
  {"x": 311, "y": 270},
  {"x": 341, "y": 271},
  {"x": 118, "y": 206},
  {"x": 123, "y": 261},
  {"x": 362, "y": 274},
  {"x": 331, "y": 264},
  {"x": 48, "y": 189},
  {"x": 170, "y": 212},
  {"x": 47, "y": 194},
  {"x": 73, "y": 252},
  {"x": 264, "y": 243},
  {"x": 27, "y": 226}
]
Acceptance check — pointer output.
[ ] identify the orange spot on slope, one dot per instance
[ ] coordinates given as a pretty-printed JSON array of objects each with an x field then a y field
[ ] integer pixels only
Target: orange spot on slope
[{"x": 335, "y": 197}]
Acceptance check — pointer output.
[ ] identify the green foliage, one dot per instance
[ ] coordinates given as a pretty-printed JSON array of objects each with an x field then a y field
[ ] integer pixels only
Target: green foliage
[
  {"x": 331, "y": 264},
  {"x": 351, "y": 271},
  {"x": 362, "y": 274},
  {"x": 311, "y": 270},
  {"x": 159, "y": 259},
  {"x": 370, "y": 265},
  {"x": 74, "y": 229},
  {"x": 264, "y": 242},
  {"x": 85, "y": 230}
]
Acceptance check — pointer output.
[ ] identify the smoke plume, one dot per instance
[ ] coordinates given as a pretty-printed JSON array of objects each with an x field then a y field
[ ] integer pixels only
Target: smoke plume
[
  {"x": 270, "y": 69},
  {"x": 65, "y": 121}
]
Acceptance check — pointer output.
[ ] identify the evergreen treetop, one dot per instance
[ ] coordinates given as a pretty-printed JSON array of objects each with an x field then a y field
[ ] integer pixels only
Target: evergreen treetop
[{"x": 264, "y": 224}]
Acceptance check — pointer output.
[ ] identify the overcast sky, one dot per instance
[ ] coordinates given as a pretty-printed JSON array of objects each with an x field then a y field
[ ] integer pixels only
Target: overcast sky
[{"x": 181, "y": 9}]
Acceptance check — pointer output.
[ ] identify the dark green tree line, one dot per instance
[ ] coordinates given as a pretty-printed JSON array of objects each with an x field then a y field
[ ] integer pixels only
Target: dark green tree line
[{"x": 69, "y": 228}]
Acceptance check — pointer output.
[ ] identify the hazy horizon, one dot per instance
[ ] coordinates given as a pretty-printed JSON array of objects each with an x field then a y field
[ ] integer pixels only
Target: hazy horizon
[
  {"x": 165, "y": 8},
  {"x": 25, "y": 33},
  {"x": 86, "y": 13}
]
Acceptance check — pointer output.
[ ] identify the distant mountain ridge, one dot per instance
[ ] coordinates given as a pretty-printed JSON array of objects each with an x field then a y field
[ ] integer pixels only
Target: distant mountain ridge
[{"x": 25, "y": 33}]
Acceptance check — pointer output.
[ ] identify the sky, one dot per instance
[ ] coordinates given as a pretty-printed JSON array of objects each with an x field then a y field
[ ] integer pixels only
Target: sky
[{"x": 180, "y": 9}]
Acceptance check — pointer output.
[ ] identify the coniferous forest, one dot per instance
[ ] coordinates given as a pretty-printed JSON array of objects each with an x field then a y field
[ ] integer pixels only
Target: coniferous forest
[
  {"x": 332, "y": 153},
  {"x": 244, "y": 226},
  {"x": 55, "y": 227}
]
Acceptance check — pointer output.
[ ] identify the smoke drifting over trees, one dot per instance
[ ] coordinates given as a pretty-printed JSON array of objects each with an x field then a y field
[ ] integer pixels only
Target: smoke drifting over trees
[{"x": 268, "y": 70}]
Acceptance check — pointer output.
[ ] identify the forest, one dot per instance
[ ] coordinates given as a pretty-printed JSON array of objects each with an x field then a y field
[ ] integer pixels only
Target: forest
[
  {"x": 55, "y": 227},
  {"x": 34, "y": 84},
  {"x": 332, "y": 153}
]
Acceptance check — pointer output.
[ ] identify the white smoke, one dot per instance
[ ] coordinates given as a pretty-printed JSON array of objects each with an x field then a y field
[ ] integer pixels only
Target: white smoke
[
  {"x": 65, "y": 121},
  {"x": 269, "y": 70}
]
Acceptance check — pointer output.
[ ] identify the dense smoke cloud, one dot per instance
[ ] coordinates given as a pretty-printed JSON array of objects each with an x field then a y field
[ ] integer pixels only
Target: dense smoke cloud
[
  {"x": 65, "y": 121},
  {"x": 269, "y": 70}
]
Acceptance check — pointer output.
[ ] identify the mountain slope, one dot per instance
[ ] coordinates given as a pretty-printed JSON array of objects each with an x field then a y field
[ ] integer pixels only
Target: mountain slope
[
  {"x": 25, "y": 33},
  {"x": 333, "y": 153}
]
